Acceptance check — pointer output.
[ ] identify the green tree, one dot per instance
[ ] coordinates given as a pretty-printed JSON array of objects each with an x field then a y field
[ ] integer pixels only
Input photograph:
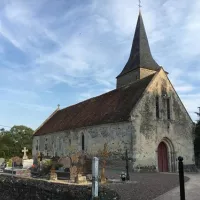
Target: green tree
[
  {"x": 22, "y": 137},
  {"x": 197, "y": 143},
  {"x": 6, "y": 142},
  {"x": 12, "y": 142}
]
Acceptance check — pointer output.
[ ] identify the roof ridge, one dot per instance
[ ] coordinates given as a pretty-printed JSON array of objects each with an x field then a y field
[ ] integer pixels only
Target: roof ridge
[
  {"x": 52, "y": 114},
  {"x": 114, "y": 106},
  {"x": 89, "y": 99},
  {"x": 114, "y": 90}
]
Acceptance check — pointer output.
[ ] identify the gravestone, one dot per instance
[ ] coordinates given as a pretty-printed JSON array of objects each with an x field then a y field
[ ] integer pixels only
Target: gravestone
[
  {"x": 2, "y": 160},
  {"x": 65, "y": 161},
  {"x": 73, "y": 172},
  {"x": 104, "y": 154},
  {"x": 17, "y": 161},
  {"x": 75, "y": 158},
  {"x": 85, "y": 164},
  {"x": 2, "y": 164},
  {"x": 53, "y": 175},
  {"x": 27, "y": 163},
  {"x": 87, "y": 167},
  {"x": 16, "y": 168},
  {"x": 25, "y": 157},
  {"x": 63, "y": 173},
  {"x": 80, "y": 179}
]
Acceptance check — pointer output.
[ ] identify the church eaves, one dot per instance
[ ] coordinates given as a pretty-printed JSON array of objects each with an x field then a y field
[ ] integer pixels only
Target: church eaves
[
  {"x": 140, "y": 56},
  {"x": 112, "y": 107}
]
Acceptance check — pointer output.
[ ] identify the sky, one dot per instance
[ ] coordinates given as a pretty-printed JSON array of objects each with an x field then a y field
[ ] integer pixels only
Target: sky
[{"x": 63, "y": 52}]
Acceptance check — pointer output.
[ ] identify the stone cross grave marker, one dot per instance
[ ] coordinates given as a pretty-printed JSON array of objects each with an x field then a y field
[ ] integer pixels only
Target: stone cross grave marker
[{"x": 25, "y": 157}]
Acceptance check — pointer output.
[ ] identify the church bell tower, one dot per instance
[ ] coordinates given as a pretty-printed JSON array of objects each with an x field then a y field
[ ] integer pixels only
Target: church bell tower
[{"x": 140, "y": 63}]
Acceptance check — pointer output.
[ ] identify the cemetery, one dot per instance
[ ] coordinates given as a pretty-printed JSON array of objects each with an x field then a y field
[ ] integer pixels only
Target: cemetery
[
  {"x": 71, "y": 176},
  {"x": 76, "y": 177}
]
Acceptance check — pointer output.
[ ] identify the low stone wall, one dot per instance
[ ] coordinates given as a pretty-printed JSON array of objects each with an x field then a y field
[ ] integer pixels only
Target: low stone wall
[{"x": 31, "y": 189}]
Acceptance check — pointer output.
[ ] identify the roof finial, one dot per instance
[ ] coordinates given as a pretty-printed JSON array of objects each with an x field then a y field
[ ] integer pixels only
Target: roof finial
[
  {"x": 139, "y": 5},
  {"x": 58, "y": 106}
]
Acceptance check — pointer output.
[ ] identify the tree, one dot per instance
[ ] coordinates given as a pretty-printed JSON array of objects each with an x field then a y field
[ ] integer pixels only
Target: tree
[
  {"x": 2, "y": 129},
  {"x": 6, "y": 142},
  {"x": 12, "y": 142},
  {"x": 197, "y": 142},
  {"x": 22, "y": 137}
]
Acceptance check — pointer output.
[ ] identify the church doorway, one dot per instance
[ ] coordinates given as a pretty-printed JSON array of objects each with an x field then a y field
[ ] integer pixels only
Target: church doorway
[{"x": 162, "y": 157}]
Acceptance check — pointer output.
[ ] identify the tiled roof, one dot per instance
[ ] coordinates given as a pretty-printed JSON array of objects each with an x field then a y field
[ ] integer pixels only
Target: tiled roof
[
  {"x": 140, "y": 55},
  {"x": 114, "y": 106}
]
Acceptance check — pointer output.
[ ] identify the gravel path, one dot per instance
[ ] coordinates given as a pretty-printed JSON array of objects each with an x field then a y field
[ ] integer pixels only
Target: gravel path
[{"x": 143, "y": 186}]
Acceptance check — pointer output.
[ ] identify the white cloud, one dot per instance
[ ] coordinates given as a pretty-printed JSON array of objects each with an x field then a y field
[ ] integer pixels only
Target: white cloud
[
  {"x": 184, "y": 88},
  {"x": 19, "y": 92},
  {"x": 28, "y": 106},
  {"x": 86, "y": 45}
]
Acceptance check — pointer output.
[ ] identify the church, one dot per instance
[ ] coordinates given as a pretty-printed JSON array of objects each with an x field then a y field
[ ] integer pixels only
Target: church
[{"x": 144, "y": 115}]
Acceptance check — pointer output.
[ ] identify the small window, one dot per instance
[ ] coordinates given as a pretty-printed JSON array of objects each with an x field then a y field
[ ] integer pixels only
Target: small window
[
  {"x": 83, "y": 142},
  {"x": 157, "y": 108},
  {"x": 37, "y": 146},
  {"x": 168, "y": 109},
  {"x": 45, "y": 146}
]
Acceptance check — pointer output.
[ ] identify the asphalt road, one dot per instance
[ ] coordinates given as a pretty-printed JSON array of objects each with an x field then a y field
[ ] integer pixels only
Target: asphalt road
[{"x": 143, "y": 186}]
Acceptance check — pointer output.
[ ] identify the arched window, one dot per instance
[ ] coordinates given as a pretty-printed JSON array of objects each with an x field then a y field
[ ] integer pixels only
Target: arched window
[
  {"x": 157, "y": 108},
  {"x": 83, "y": 142},
  {"x": 45, "y": 146},
  {"x": 168, "y": 109},
  {"x": 37, "y": 145}
]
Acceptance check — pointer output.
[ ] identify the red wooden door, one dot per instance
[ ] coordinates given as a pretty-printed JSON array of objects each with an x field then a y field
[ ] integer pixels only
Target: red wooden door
[{"x": 162, "y": 157}]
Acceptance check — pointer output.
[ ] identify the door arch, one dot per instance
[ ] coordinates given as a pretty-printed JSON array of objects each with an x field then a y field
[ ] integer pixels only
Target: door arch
[{"x": 163, "y": 165}]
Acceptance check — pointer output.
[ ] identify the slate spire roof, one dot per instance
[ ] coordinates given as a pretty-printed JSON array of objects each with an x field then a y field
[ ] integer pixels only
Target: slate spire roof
[{"x": 140, "y": 55}]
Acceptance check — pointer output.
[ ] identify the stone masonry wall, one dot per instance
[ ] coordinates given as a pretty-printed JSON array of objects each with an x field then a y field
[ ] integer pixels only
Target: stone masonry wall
[
  {"x": 132, "y": 76},
  {"x": 117, "y": 136},
  {"x": 146, "y": 72},
  {"x": 128, "y": 78},
  {"x": 150, "y": 131},
  {"x": 17, "y": 188}
]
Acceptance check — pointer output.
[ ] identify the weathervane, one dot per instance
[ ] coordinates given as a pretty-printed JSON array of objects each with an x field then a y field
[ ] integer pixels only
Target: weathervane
[{"x": 139, "y": 4}]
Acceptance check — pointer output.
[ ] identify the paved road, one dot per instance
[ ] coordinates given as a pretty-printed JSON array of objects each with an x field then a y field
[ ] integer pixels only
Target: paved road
[
  {"x": 192, "y": 190},
  {"x": 144, "y": 186}
]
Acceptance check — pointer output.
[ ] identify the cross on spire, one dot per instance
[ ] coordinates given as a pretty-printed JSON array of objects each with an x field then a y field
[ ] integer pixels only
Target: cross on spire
[{"x": 139, "y": 4}]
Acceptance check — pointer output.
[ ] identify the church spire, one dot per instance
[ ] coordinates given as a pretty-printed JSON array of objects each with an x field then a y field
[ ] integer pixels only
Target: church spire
[{"x": 140, "y": 56}]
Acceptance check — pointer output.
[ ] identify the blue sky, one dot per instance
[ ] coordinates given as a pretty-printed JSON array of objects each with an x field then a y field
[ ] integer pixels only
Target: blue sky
[{"x": 62, "y": 52}]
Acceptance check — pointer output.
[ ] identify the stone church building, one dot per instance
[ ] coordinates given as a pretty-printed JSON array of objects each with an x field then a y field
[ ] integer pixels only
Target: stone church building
[{"x": 144, "y": 115}]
